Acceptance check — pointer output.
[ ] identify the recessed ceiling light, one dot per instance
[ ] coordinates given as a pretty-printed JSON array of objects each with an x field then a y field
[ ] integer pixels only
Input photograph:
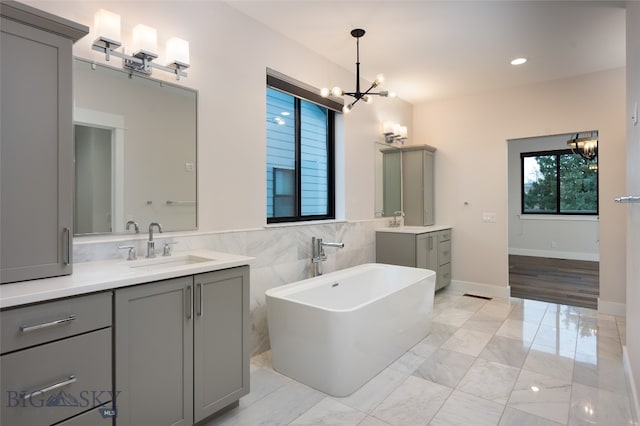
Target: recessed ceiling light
[{"x": 518, "y": 61}]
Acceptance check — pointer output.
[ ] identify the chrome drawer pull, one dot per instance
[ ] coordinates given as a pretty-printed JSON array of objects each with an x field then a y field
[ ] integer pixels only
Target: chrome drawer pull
[
  {"x": 28, "y": 328},
  {"x": 38, "y": 392}
]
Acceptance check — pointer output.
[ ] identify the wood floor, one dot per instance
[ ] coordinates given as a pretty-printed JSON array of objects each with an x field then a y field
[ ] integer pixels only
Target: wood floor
[{"x": 571, "y": 282}]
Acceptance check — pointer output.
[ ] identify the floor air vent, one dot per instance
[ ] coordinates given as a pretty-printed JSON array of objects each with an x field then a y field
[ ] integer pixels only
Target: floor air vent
[{"x": 477, "y": 297}]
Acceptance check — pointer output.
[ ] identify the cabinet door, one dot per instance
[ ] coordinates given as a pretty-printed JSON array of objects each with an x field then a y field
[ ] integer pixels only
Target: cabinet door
[
  {"x": 426, "y": 251},
  {"x": 154, "y": 353},
  {"x": 221, "y": 339},
  {"x": 417, "y": 187},
  {"x": 36, "y": 153}
]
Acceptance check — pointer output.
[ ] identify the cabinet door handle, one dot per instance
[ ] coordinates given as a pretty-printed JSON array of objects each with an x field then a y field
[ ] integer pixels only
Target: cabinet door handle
[
  {"x": 67, "y": 245},
  {"x": 430, "y": 243},
  {"x": 41, "y": 391},
  {"x": 200, "y": 295},
  {"x": 189, "y": 302},
  {"x": 62, "y": 321}
]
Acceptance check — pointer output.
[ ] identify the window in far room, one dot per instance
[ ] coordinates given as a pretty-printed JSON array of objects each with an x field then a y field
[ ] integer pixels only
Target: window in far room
[{"x": 559, "y": 183}]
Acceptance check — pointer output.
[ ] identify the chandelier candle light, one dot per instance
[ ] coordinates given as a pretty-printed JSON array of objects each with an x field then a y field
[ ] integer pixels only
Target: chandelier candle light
[
  {"x": 366, "y": 96},
  {"x": 585, "y": 144}
]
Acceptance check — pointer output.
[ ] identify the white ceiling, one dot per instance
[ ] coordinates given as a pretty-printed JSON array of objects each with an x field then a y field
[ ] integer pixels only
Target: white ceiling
[{"x": 431, "y": 50}]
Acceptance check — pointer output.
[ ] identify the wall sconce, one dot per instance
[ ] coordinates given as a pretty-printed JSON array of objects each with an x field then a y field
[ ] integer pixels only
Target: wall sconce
[
  {"x": 585, "y": 144},
  {"x": 145, "y": 46},
  {"x": 394, "y": 132}
]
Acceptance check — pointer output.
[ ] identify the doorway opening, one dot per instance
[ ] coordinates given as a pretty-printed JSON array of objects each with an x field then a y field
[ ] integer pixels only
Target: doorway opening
[{"x": 553, "y": 222}]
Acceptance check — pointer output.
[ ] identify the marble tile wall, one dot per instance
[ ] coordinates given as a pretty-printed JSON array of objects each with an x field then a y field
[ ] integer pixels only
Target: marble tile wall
[{"x": 282, "y": 255}]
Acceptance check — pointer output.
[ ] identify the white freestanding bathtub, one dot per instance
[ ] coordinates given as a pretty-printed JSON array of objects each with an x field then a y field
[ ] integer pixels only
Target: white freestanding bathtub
[{"x": 336, "y": 331}]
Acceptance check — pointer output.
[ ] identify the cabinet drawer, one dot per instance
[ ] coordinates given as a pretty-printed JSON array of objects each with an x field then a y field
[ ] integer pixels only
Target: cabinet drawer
[
  {"x": 42, "y": 323},
  {"x": 90, "y": 418},
  {"x": 444, "y": 252},
  {"x": 443, "y": 277},
  {"x": 80, "y": 367},
  {"x": 444, "y": 235}
]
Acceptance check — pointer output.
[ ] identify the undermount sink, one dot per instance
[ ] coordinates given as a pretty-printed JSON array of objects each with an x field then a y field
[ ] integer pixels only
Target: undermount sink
[{"x": 170, "y": 261}]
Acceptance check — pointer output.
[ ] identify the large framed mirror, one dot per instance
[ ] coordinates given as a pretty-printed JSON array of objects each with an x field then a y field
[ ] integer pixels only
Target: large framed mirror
[
  {"x": 388, "y": 175},
  {"x": 135, "y": 151}
]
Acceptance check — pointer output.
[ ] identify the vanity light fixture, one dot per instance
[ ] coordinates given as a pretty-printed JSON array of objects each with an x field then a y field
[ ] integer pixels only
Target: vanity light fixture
[
  {"x": 366, "y": 96},
  {"x": 585, "y": 144},
  {"x": 145, "y": 46},
  {"x": 394, "y": 132}
]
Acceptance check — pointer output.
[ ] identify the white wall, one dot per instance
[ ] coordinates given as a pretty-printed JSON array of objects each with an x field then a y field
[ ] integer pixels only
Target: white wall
[
  {"x": 633, "y": 210},
  {"x": 471, "y": 135},
  {"x": 229, "y": 57},
  {"x": 562, "y": 237}
]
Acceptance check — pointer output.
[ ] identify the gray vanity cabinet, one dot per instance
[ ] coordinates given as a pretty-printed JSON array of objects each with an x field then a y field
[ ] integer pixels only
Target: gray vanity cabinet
[
  {"x": 181, "y": 347},
  {"x": 427, "y": 250},
  {"x": 418, "y": 185},
  {"x": 56, "y": 363},
  {"x": 36, "y": 149}
]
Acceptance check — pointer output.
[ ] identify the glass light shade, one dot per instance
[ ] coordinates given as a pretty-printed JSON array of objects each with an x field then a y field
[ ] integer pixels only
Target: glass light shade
[
  {"x": 392, "y": 94},
  {"x": 379, "y": 79},
  {"x": 402, "y": 131},
  {"x": 145, "y": 40},
  {"x": 324, "y": 92},
  {"x": 107, "y": 26},
  {"x": 336, "y": 91},
  {"x": 387, "y": 127},
  {"x": 178, "y": 51}
]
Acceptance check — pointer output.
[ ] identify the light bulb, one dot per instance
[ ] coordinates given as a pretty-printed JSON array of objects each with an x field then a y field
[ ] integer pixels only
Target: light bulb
[
  {"x": 379, "y": 79},
  {"x": 324, "y": 92},
  {"x": 392, "y": 94},
  {"x": 368, "y": 99},
  {"x": 336, "y": 91},
  {"x": 347, "y": 108}
]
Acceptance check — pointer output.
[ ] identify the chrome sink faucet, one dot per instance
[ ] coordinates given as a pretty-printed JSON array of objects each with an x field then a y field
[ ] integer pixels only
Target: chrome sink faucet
[
  {"x": 151, "y": 245},
  {"x": 397, "y": 219},
  {"x": 135, "y": 226},
  {"x": 317, "y": 253}
]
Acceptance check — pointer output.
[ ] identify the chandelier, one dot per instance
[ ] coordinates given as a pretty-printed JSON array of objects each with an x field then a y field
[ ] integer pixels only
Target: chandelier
[
  {"x": 585, "y": 144},
  {"x": 366, "y": 96}
]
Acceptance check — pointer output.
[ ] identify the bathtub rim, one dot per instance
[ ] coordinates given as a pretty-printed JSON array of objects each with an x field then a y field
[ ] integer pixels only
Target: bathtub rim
[{"x": 282, "y": 292}]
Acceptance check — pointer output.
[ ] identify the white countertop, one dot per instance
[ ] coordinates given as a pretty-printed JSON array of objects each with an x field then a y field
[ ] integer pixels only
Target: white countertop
[
  {"x": 414, "y": 229},
  {"x": 89, "y": 277}
]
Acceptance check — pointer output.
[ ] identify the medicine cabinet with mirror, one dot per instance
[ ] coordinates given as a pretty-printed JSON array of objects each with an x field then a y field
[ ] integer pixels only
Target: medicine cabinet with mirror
[
  {"x": 388, "y": 176},
  {"x": 135, "y": 151}
]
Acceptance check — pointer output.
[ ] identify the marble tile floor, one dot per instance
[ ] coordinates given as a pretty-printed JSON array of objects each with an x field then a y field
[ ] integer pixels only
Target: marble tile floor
[{"x": 485, "y": 362}]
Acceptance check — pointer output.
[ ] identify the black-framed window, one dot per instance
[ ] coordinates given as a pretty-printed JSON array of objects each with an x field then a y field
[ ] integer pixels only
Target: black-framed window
[
  {"x": 558, "y": 183},
  {"x": 300, "y": 155}
]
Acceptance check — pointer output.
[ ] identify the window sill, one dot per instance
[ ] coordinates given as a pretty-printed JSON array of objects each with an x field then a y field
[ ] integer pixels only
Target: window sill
[
  {"x": 570, "y": 218},
  {"x": 304, "y": 223}
]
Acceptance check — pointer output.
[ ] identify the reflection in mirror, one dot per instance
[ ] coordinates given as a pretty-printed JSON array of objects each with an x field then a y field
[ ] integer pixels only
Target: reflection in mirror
[
  {"x": 388, "y": 180},
  {"x": 135, "y": 148}
]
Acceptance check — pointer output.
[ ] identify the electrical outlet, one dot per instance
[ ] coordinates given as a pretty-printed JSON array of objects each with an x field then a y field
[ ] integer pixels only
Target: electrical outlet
[
  {"x": 188, "y": 167},
  {"x": 489, "y": 217}
]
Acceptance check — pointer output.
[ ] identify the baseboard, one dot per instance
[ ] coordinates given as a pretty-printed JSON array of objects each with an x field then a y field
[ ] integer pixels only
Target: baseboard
[
  {"x": 612, "y": 308},
  {"x": 554, "y": 254},
  {"x": 479, "y": 289},
  {"x": 633, "y": 391}
]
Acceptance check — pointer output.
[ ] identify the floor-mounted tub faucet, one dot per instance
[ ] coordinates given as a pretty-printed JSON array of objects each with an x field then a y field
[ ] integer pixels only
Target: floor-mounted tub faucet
[
  {"x": 151, "y": 245},
  {"x": 317, "y": 253}
]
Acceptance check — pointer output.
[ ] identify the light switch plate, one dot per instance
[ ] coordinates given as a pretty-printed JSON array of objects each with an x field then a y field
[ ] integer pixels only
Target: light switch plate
[{"x": 489, "y": 217}]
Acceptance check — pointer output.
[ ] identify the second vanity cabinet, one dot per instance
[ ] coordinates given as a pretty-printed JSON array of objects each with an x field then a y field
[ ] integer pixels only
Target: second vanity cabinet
[
  {"x": 420, "y": 249},
  {"x": 181, "y": 347}
]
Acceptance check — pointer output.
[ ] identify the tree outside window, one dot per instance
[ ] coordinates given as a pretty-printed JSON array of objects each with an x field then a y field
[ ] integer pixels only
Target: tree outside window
[{"x": 559, "y": 182}]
